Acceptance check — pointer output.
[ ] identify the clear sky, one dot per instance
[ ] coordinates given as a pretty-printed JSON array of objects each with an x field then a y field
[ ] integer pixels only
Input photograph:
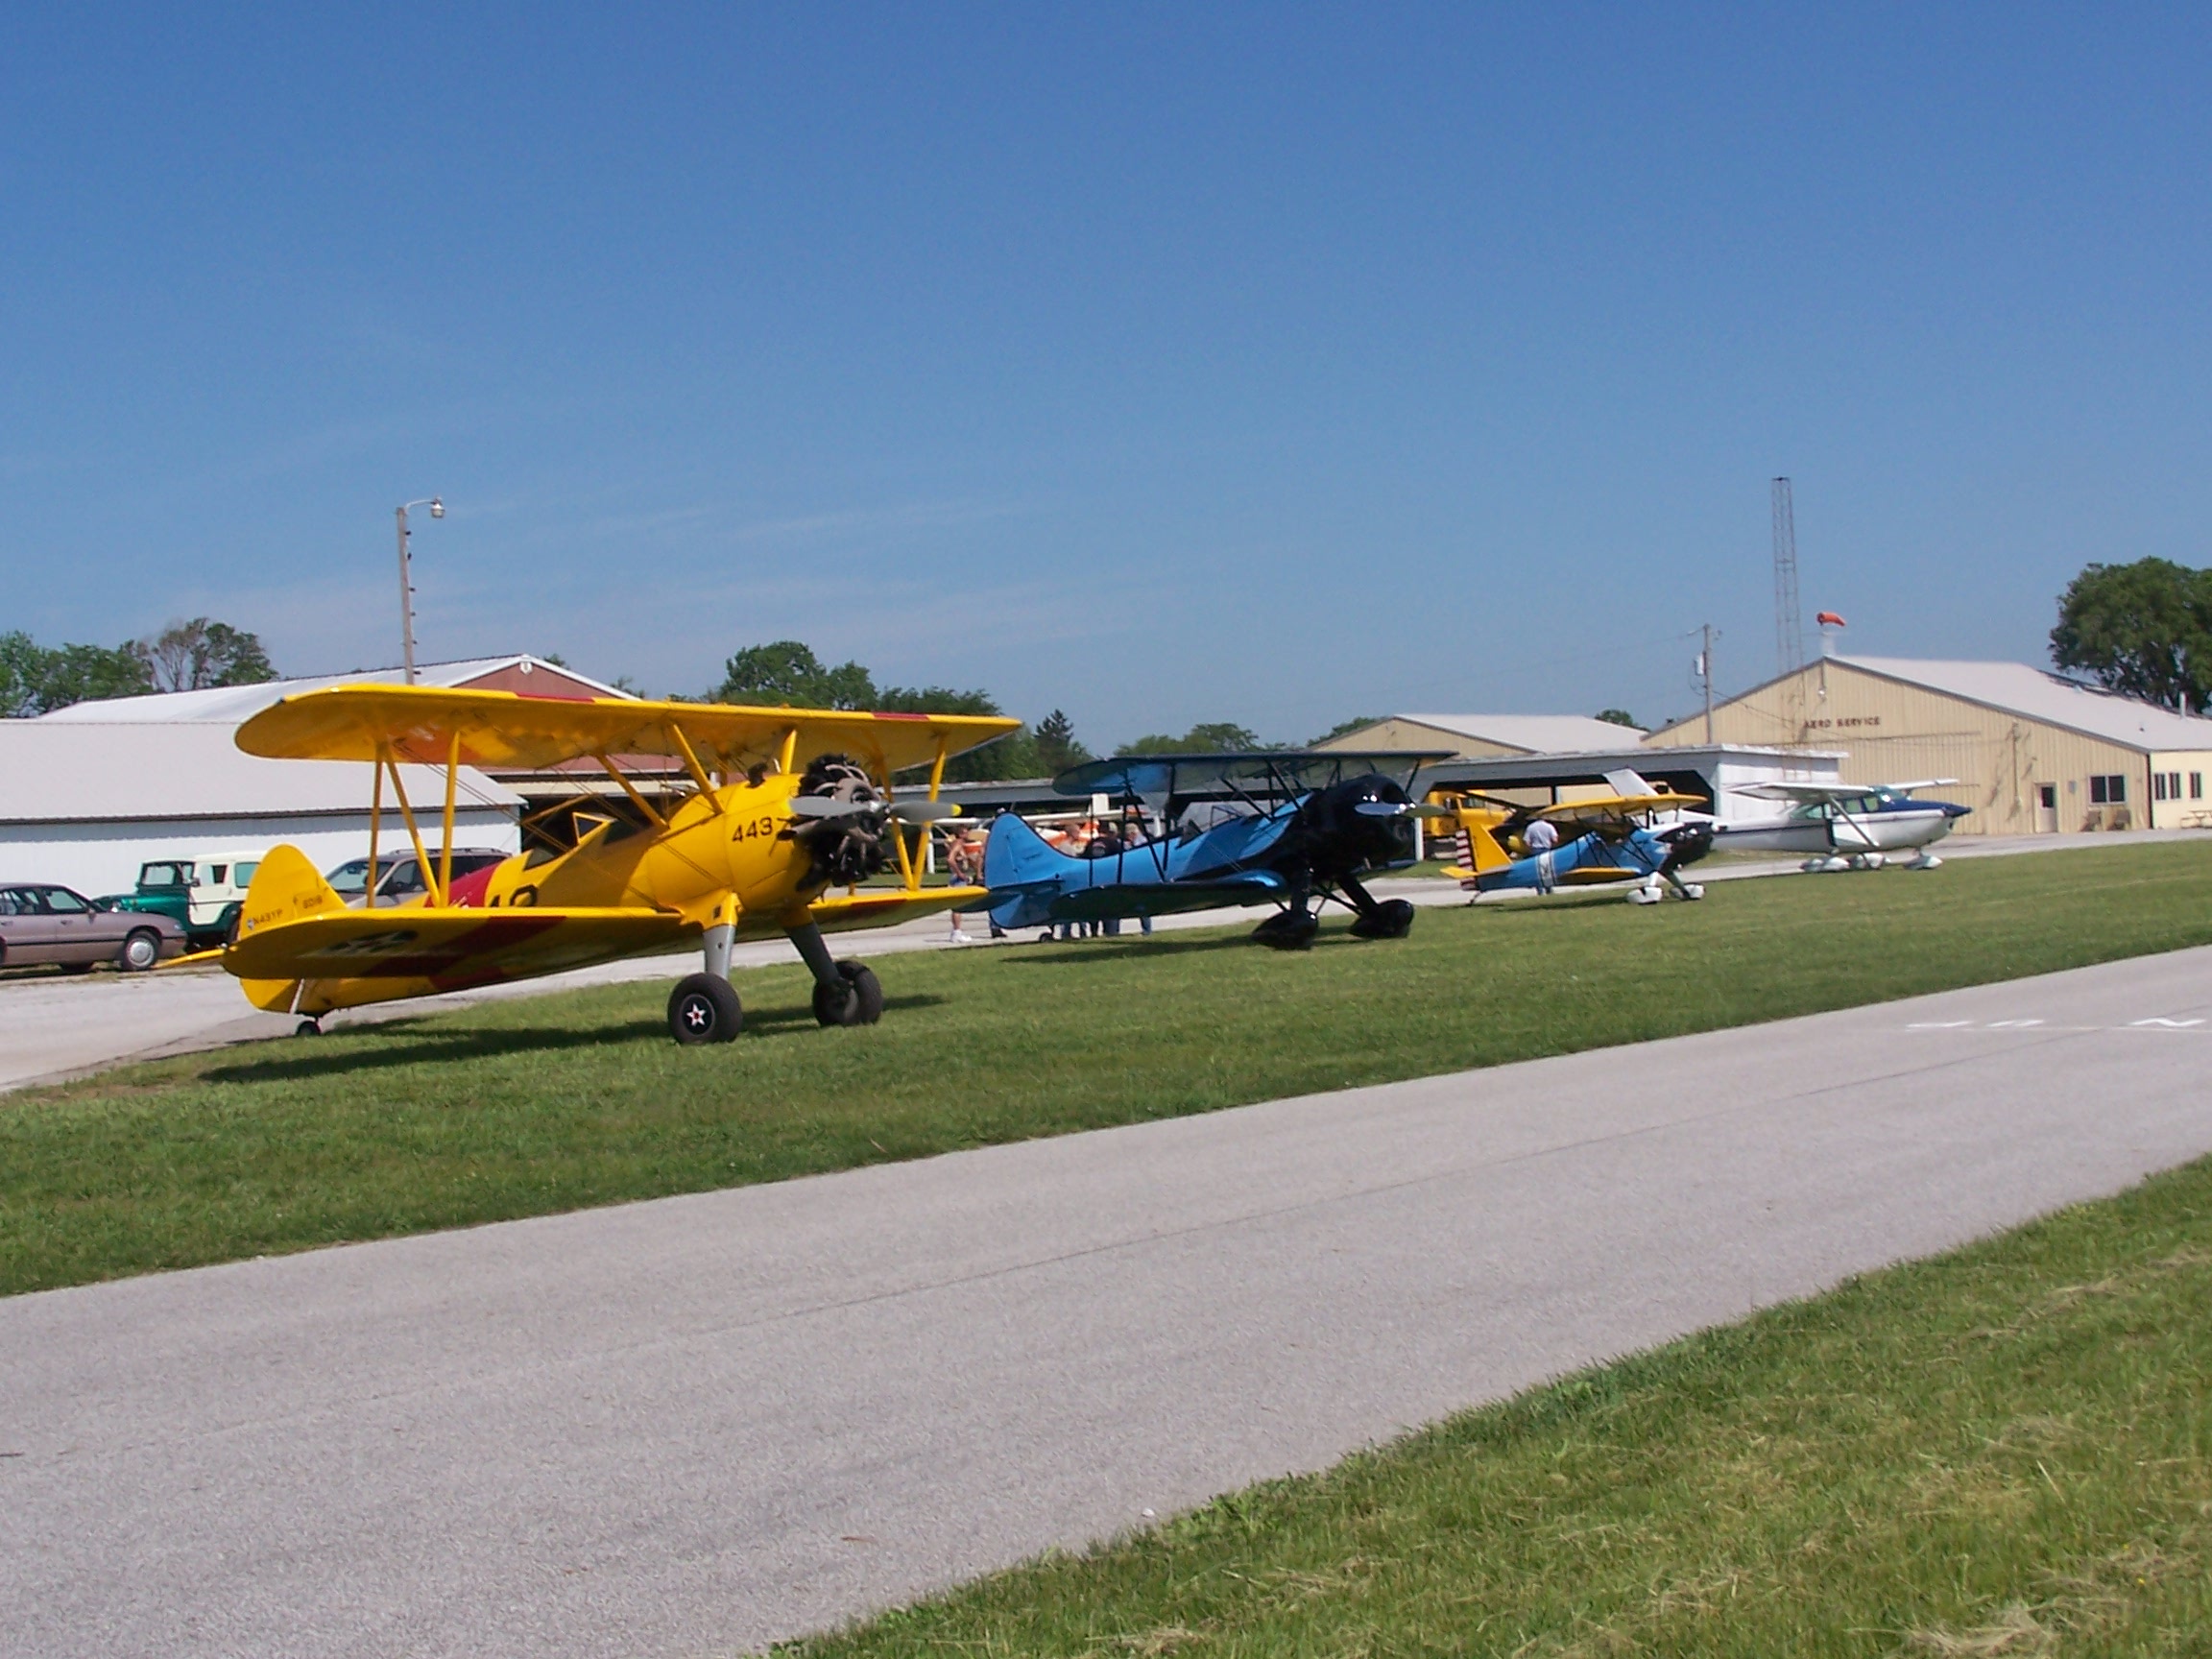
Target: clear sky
[{"x": 1160, "y": 363}]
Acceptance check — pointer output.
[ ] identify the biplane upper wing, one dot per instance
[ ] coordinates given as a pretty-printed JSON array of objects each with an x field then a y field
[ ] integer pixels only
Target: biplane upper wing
[
  {"x": 1266, "y": 772},
  {"x": 500, "y": 728}
]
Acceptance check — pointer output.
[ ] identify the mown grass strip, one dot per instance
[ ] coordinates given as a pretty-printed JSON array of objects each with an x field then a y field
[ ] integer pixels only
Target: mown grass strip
[
  {"x": 2004, "y": 1450},
  {"x": 559, "y": 1103}
]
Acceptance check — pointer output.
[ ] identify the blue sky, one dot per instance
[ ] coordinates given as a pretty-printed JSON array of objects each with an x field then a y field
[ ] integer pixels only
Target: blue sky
[{"x": 1162, "y": 364}]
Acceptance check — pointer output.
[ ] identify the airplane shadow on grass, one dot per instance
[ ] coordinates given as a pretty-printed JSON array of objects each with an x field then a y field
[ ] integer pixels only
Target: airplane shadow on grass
[
  {"x": 397, "y": 1043},
  {"x": 1068, "y": 952}
]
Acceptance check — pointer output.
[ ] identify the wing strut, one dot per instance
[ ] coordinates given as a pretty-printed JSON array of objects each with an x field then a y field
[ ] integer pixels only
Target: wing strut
[
  {"x": 630, "y": 790},
  {"x": 446, "y": 852},
  {"x": 376, "y": 822},
  {"x": 691, "y": 764},
  {"x": 407, "y": 813}
]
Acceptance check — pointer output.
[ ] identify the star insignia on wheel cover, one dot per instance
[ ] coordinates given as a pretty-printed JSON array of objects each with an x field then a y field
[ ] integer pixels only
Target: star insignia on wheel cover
[{"x": 697, "y": 1015}]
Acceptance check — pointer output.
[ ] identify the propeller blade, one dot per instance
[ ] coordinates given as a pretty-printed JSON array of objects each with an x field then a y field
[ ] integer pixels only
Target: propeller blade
[
  {"x": 925, "y": 811},
  {"x": 831, "y": 807},
  {"x": 1403, "y": 810}
]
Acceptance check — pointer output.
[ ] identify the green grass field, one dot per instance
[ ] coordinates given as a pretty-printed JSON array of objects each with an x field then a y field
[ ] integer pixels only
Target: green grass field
[
  {"x": 2005, "y": 1451},
  {"x": 554, "y": 1103}
]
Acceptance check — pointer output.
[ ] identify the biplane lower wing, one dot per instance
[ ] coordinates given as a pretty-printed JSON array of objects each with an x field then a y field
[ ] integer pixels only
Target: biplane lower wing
[
  {"x": 1125, "y": 900},
  {"x": 449, "y": 950},
  {"x": 882, "y": 909}
]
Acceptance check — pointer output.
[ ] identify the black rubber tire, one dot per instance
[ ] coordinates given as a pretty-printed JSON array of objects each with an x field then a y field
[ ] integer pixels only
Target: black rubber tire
[
  {"x": 141, "y": 949},
  {"x": 857, "y": 1000},
  {"x": 231, "y": 933},
  {"x": 309, "y": 1028},
  {"x": 704, "y": 1009},
  {"x": 1287, "y": 930},
  {"x": 1393, "y": 918}
]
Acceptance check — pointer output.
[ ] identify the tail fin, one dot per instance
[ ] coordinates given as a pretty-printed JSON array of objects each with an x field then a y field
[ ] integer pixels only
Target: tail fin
[
  {"x": 1016, "y": 858},
  {"x": 284, "y": 889}
]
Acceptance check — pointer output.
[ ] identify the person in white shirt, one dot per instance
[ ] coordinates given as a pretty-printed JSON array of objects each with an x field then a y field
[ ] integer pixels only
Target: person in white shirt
[{"x": 1540, "y": 837}]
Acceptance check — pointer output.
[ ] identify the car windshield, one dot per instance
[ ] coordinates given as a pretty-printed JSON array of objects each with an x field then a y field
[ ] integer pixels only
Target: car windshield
[
  {"x": 165, "y": 875},
  {"x": 352, "y": 875}
]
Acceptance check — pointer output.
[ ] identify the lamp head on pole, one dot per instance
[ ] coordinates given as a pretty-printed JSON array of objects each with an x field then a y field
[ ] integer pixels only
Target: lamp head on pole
[{"x": 437, "y": 507}]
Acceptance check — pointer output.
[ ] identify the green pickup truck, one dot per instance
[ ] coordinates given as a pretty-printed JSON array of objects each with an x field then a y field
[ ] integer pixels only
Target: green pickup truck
[{"x": 201, "y": 894}]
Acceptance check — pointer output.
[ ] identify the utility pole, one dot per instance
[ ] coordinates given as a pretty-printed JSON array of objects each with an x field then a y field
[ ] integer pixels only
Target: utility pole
[
  {"x": 407, "y": 583},
  {"x": 1789, "y": 625},
  {"x": 1705, "y": 676}
]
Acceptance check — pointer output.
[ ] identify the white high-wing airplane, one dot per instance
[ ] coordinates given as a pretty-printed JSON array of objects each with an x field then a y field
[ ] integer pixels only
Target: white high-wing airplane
[{"x": 1846, "y": 825}]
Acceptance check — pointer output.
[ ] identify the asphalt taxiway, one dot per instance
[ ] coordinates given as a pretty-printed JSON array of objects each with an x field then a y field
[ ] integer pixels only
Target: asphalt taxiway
[{"x": 704, "y": 1422}]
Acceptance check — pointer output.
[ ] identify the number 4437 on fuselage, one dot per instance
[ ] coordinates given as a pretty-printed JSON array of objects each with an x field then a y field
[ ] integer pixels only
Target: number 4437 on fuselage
[{"x": 786, "y": 807}]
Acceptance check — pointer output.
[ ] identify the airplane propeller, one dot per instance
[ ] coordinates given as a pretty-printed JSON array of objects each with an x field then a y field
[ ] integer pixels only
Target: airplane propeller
[
  {"x": 1403, "y": 810},
  {"x": 904, "y": 811}
]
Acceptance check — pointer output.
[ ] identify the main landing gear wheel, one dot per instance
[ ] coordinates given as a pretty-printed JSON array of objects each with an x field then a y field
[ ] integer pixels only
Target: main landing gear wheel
[
  {"x": 702, "y": 1008},
  {"x": 857, "y": 1000},
  {"x": 1287, "y": 930},
  {"x": 1392, "y": 919},
  {"x": 309, "y": 1028},
  {"x": 139, "y": 952}
]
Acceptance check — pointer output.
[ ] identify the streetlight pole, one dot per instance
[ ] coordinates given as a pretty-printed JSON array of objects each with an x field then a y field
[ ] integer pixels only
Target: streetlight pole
[{"x": 406, "y": 579}]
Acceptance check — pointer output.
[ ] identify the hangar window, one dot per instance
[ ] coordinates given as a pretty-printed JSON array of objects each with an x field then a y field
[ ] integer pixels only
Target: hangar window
[
  {"x": 2165, "y": 785},
  {"x": 2109, "y": 789},
  {"x": 2196, "y": 786}
]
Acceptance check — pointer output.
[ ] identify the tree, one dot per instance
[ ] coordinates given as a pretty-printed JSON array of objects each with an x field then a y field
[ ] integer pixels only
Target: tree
[
  {"x": 1352, "y": 725},
  {"x": 193, "y": 656},
  {"x": 787, "y": 674},
  {"x": 2142, "y": 629},
  {"x": 1057, "y": 749},
  {"x": 1618, "y": 717},
  {"x": 92, "y": 673},
  {"x": 22, "y": 675},
  {"x": 1207, "y": 737},
  {"x": 1013, "y": 756}
]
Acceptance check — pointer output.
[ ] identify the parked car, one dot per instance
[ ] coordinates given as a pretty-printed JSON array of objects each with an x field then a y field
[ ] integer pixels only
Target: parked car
[
  {"x": 202, "y": 894},
  {"x": 399, "y": 874},
  {"x": 41, "y": 923}
]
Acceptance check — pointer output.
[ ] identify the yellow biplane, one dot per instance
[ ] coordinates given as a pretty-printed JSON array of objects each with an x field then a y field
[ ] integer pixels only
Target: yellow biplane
[
  {"x": 1505, "y": 847},
  {"x": 784, "y": 806}
]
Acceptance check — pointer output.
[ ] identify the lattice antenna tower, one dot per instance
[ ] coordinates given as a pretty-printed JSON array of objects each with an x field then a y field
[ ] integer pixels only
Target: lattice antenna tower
[{"x": 1789, "y": 626}]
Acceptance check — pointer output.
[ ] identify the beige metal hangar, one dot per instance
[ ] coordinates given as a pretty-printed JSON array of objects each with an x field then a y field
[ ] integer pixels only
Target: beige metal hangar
[
  {"x": 2034, "y": 752},
  {"x": 1473, "y": 735}
]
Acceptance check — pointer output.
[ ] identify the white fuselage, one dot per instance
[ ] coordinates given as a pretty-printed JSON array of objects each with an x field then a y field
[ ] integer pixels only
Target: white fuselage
[{"x": 1890, "y": 829}]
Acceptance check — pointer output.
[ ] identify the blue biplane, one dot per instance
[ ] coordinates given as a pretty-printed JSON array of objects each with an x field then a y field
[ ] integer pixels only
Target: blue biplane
[{"x": 1292, "y": 828}]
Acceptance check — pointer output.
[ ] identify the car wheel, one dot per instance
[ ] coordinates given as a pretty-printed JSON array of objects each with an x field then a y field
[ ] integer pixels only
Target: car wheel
[
  {"x": 704, "y": 1009},
  {"x": 140, "y": 952}
]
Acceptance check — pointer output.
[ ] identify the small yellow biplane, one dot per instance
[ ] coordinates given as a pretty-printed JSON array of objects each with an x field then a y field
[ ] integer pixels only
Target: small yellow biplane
[
  {"x": 784, "y": 806},
  {"x": 1609, "y": 838}
]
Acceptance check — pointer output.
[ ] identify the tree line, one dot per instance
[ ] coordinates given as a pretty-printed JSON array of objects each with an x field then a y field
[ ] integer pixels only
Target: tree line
[{"x": 192, "y": 655}]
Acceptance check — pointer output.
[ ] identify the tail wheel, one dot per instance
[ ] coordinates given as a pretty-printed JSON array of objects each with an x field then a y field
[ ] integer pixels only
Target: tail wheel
[
  {"x": 856, "y": 999},
  {"x": 140, "y": 952},
  {"x": 702, "y": 1008},
  {"x": 1392, "y": 919}
]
